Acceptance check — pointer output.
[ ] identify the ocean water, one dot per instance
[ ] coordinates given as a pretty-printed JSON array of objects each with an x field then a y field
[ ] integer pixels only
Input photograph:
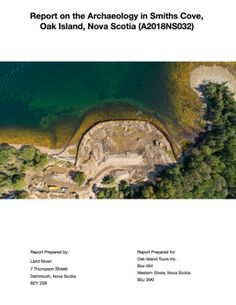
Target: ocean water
[{"x": 38, "y": 94}]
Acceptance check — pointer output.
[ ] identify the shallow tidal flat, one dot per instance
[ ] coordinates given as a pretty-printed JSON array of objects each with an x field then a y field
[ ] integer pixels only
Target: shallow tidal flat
[
  {"x": 55, "y": 138},
  {"x": 46, "y": 97},
  {"x": 40, "y": 107},
  {"x": 68, "y": 133}
]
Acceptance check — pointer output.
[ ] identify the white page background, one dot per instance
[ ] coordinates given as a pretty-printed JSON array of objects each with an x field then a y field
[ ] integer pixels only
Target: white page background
[
  {"x": 103, "y": 237},
  {"x": 213, "y": 38}
]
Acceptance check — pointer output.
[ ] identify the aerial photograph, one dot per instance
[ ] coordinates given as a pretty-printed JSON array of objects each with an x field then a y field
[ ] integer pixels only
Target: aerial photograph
[{"x": 117, "y": 130}]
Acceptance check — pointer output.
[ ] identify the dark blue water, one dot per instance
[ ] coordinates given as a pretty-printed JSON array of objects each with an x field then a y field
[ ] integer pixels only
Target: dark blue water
[{"x": 38, "y": 94}]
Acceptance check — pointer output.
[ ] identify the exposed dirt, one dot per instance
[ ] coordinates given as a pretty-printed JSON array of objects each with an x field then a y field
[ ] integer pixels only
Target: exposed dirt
[{"x": 122, "y": 144}]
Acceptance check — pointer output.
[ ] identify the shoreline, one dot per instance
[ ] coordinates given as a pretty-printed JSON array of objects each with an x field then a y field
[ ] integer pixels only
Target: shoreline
[
  {"x": 58, "y": 139},
  {"x": 64, "y": 154},
  {"x": 45, "y": 139},
  {"x": 216, "y": 74}
]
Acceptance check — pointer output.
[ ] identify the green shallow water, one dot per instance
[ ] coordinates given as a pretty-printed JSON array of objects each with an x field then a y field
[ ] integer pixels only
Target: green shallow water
[{"x": 39, "y": 94}]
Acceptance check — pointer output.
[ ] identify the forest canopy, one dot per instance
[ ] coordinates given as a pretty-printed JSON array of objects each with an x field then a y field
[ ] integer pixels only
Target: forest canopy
[{"x": 13, "y": 166}]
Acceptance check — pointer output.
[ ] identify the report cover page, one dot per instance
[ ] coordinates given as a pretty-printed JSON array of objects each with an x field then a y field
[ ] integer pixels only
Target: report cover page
[{"x": 117, "y": 152}]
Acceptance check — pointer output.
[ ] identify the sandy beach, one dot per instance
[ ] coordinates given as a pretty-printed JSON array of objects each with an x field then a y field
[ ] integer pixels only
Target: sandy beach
[{"x": 217, "y": 74}]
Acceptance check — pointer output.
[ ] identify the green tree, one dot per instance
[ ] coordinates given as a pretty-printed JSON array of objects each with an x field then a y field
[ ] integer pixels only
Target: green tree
[
  {"x": 18, "y": 182},
  {"x": 148, "y": 192},
  {"x": 108, "y": 179},
  {"x": 78, "y": 177},
  {"x": 126, "y": 189},
  {"x": 22, "y": 195},
  {"x": 109, "y": 193},
  {"x": 28, "y": 153}
]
